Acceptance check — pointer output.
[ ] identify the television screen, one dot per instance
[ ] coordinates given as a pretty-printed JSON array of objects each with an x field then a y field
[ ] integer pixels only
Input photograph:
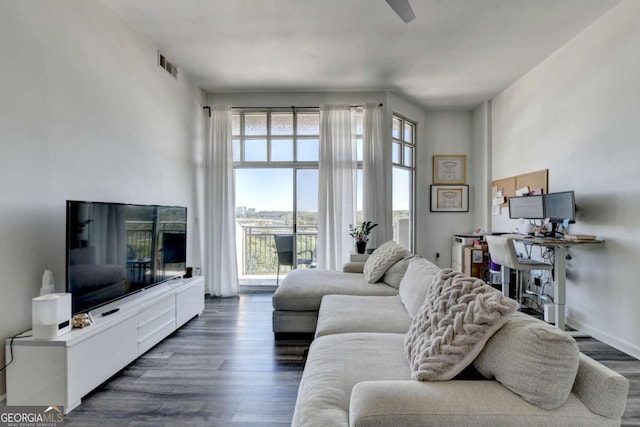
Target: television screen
[
  {"x": 526, "y": 207},
  {"x": 560, "y": 206},
  {"x": 116, "y": 249}
]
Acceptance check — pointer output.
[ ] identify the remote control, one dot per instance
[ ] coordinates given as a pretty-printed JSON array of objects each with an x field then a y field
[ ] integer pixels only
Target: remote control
[{"x": 106, "y": 313}]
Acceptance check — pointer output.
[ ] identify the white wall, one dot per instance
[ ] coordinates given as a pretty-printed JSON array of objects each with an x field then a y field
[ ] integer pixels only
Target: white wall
[
  {"x": 298, "y": 99},
  {"x": 447, "y": 132},
  {"x": 577, "y": 115},
  {"x": 480, "y": 194},
  {"x": 85, "y": 114}
]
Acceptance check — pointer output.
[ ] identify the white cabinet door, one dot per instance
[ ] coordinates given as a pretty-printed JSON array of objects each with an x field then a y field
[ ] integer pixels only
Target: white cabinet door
[
  {"x": 190, "y": 302},
  {"x": 92, "y": 361}
]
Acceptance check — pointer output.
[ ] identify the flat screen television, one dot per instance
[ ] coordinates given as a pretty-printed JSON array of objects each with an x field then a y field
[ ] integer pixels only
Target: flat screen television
[
  {"x": 115, "y": 249},
  {"x": 526, "y": 207}
]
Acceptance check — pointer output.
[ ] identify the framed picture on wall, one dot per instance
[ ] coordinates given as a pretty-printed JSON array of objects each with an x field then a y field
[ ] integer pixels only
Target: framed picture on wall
[
  {"x": 449, "y": 198},
  {"x": 450, "y": 169}
]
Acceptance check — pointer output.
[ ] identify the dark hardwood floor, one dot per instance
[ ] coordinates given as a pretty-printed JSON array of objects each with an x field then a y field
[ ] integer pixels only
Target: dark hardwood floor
[{"x": 224, "y": 369}]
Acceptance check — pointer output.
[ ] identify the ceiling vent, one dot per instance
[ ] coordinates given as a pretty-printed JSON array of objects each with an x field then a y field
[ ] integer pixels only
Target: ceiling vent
[{"x": 167, "y": 65}]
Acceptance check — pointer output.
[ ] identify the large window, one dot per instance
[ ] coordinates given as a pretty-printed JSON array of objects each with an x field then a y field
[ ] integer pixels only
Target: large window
[
  {"x": 403, "y": 143},
  {"x": 276, "y": 159}
]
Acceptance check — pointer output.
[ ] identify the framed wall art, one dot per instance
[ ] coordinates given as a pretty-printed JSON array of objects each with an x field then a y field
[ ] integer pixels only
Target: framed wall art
[
  {"x": 449, "y": 198},
  {"x": 450, "y": 169}
]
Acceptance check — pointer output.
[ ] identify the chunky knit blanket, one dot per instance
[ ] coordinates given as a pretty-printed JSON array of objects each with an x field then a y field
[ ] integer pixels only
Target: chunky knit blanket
[{"x": 459, "y": 315}]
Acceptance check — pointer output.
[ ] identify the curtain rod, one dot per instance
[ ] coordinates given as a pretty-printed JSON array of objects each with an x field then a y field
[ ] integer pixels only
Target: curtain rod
[{"x": 293, "y": 107}]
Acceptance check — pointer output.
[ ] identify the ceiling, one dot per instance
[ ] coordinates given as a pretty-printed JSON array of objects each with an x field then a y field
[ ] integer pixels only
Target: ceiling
[{"x": 455, "y": 54}]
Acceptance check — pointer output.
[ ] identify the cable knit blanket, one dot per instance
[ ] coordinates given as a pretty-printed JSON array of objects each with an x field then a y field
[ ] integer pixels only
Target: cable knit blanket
[{"x": 459, "y": 315}]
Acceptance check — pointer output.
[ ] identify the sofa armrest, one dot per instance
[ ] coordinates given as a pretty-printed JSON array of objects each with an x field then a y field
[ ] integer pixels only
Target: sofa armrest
[
  {"x": 353, "y": 267},
  {"x": 421, "y": 403},
  {"x": 603, "y": 390}
]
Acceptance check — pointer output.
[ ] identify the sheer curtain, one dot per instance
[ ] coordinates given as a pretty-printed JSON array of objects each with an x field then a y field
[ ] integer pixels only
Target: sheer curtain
[
  {"x": 220, "y": 264},
  {"x": 336, "y": 186},
  {"x": 374, "y": 176}
]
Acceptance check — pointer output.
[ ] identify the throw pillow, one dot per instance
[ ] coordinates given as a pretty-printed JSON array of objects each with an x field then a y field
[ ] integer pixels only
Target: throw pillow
[
  {"x": 414, "y": 283},
  {"x": 396, "y": 272},
  {"x": 381, "y": 259},
  {"x": 459, "y": 315},
  {"x": 534, "y": 360}
]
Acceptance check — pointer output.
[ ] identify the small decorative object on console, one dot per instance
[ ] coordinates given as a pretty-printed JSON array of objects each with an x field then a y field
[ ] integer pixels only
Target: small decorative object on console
[
  {"x": 81, "y": 320},
  {"x": 361, "y": 234}
]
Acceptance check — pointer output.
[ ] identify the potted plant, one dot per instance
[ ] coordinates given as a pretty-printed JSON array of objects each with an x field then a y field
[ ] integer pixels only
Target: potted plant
[{"x": 361, "y": 234}]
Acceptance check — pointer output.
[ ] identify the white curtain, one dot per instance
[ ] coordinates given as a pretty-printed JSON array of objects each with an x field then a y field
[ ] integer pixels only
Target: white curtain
[
  {"x": 220, "y": 264},
  {"x": 374, "y": 176},
  {"x": 336, "y": 186}
]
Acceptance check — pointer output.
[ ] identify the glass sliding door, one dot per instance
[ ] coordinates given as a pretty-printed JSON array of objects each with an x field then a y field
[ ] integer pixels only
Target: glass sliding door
[
  {"x": 277, "y": 217},
  {"x": 264, "y": 210}
]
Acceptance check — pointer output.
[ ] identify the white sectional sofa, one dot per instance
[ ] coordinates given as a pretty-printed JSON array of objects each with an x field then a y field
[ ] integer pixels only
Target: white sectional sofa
[{"x": 358, "y": 372}]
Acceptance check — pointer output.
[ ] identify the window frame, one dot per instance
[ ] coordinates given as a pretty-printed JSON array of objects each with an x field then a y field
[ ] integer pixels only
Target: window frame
[
  {"x": 404, "y": 144},
  {"x": 294, "y": 137}
]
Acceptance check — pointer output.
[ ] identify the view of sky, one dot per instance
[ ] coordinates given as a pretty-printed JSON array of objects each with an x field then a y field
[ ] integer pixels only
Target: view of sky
[{"x": 271, "y": 189}]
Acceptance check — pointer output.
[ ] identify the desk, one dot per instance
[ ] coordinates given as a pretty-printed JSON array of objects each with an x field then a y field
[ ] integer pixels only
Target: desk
[{"x": 560, "y": 247}]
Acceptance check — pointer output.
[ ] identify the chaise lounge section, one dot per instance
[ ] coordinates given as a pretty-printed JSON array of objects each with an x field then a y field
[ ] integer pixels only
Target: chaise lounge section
[{"x": 297, "y": 300}]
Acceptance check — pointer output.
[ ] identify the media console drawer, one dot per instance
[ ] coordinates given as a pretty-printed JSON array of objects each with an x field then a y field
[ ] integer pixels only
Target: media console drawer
[{"x": 156, "y": 322}]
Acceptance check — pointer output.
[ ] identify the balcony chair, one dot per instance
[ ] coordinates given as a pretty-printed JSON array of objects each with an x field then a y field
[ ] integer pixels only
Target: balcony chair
[
  {"x": 173, "y": 250},
  {"x": 503, "y": 252},
  {"x": 284, "y": 249}
]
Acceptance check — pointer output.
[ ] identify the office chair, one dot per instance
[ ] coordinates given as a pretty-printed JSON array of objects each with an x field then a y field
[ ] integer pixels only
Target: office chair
[
  {"x": 503, "y": 252},
  {"x": 284, "y": 249}
]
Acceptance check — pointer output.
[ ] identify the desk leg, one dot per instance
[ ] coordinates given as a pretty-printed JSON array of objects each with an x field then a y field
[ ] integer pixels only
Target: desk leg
[
  {"x": 560, "y": 281},
  {"x": 505, "y": 273}
]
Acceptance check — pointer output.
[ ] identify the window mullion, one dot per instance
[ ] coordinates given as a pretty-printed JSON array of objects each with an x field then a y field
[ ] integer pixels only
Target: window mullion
[
  {"x": 268, "y": 136},
  {"x": 295, "y": 137}
]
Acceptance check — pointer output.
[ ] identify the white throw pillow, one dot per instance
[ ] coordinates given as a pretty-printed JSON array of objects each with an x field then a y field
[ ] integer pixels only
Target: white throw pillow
[
  {"x": 459, "y": 315},
  {"x": 381, "y": 259},
  {"x": 413, "y": 286},
  {"x": 396, "y": 272},
  {"x": 534, "y": 360}
]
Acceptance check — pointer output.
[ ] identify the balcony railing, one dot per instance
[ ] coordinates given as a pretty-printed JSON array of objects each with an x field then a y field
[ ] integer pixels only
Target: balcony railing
[{"x": 259, "y": 249}]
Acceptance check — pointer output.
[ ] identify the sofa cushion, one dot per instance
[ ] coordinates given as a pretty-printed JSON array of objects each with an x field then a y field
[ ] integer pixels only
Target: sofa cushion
[
  {"x": 413, "y": 286},
  {"x": 532, "y": 359},
  {"x": 303, "y": 289},
  {"x": 340, "y": 314},
  {"x": 381, "y": 259},
  {"x": 395, "y": 273},
  {"x": 338, "y": 362},
  {"x": 459, "y": 315}
]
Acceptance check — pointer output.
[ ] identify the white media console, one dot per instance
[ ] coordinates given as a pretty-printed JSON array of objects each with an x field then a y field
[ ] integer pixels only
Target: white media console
[{"x": 63, "y": 370}]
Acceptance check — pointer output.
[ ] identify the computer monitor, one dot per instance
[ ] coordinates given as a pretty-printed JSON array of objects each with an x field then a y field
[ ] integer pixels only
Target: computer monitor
[
  {"x": 560, "y": 206},
  {"x": 526, "y": 207}
]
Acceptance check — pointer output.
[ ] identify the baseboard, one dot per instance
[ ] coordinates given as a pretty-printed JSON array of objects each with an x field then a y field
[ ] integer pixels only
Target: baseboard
[{"x": 630, "y": 349}]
